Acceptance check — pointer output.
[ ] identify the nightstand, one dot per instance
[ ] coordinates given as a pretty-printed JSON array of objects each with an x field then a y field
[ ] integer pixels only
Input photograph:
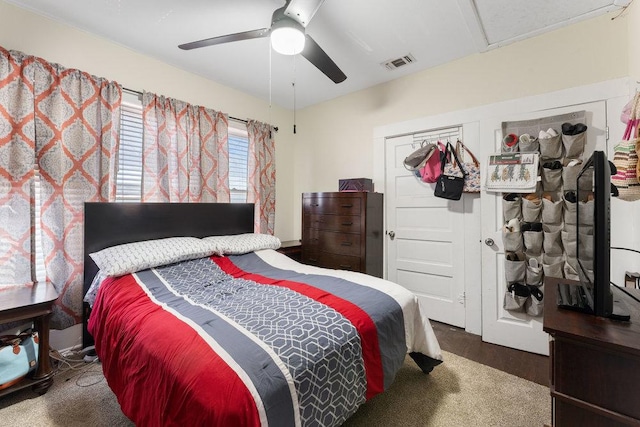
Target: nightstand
[
  {"x": 35, "y": 303},
  {"x": 595, "y": 363},
  {"x": 292, "y": 249}
]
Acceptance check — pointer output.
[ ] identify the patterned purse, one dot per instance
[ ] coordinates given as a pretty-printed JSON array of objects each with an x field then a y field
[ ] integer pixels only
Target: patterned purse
[
  {"x": 472, "y": 179},
  {"x": 625, "y": 158}
]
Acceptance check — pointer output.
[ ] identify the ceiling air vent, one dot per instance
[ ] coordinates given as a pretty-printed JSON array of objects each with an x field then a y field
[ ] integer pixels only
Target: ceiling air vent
[{"x": 392, "y": 64}]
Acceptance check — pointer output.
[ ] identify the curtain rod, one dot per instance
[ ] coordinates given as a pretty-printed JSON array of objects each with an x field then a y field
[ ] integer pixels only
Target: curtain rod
[{"x": 137, "y": 92}]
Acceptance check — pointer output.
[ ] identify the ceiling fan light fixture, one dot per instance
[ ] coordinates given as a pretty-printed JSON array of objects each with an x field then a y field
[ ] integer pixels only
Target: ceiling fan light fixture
[{"x": 287, "y": 37}]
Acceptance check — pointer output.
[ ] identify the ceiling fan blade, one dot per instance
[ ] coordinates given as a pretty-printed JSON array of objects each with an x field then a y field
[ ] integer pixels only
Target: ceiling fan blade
[
  {"x": 245, "y": 35},
  {"x": 314, "y": 54},
  {"x": 302, "y": 10}
]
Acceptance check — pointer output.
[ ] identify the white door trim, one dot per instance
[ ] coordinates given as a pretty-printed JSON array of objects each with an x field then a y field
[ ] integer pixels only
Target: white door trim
[{"x": 578, "y": 95}]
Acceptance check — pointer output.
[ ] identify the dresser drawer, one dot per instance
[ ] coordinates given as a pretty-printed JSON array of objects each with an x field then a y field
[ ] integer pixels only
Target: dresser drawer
[
  {"x": 339, "y": 243},
  {"x": 342, "y": 223},
  {"x": 310, "y": 238},
  {"x": 328, "y": 260},
  {"x": 331, "y": 241},
  {"x": 332, "y": 205}
]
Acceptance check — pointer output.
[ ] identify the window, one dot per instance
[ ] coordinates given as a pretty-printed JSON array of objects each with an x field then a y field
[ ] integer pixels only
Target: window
[{"x": 129, "y": 179}]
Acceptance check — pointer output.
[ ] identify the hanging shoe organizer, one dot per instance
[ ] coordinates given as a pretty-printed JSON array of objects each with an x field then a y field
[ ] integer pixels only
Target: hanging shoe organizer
[{"x": 539, "y": 227}]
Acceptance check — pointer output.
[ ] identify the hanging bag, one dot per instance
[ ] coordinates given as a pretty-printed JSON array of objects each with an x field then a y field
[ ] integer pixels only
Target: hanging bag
[
  {"x": 625, "y": 158},
  {"x": 450, "y": 186},
  {"x": 432, "y": 168},
  {"x": 417, "y": 159},
  {"x": 472, "y": 178}
]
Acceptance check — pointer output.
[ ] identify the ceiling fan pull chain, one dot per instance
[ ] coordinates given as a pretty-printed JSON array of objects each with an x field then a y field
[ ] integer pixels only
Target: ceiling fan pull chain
[
  {"x": 270, "y": 84},
  {"x": 294, "y": 94}
]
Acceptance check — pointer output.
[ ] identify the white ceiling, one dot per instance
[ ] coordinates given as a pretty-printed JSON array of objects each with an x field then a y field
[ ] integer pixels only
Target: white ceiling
[{"x": 359, "y": 35}]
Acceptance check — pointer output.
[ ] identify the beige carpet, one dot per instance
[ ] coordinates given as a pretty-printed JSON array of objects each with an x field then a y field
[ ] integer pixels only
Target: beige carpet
[{"x": 459, "y": 392}]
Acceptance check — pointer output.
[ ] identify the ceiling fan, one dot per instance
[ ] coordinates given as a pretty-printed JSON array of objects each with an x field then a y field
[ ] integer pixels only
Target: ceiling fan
[{"x": 288, "y": 36}]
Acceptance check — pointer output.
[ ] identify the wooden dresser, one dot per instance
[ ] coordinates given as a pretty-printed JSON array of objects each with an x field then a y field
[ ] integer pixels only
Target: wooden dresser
[
  {"x": 343, "y": 231},
  {"x": 595, "y": 364}
]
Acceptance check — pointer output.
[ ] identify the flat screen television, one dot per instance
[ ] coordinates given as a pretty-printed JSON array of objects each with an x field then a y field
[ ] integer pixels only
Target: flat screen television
[{"x": 593, "y": 240}]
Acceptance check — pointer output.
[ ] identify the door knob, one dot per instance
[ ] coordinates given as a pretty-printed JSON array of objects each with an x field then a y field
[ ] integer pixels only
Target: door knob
[
  {"x": 489, "y": 241},
  {"x": 392, "y": 234}
]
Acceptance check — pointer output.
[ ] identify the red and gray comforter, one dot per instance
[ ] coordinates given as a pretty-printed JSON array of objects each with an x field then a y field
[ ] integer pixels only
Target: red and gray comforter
[{"x": 254, "y": 339}]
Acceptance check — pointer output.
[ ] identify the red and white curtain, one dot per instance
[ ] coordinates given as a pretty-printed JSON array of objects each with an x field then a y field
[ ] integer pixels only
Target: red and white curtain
[
  {"x": 261, "y": 178},
  {"x": 17, "y": 158},
  {"x": 185, "y": 152},
  {"x": 64, "y": 126}
]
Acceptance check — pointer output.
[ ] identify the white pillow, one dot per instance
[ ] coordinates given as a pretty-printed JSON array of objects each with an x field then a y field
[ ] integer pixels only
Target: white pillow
[
  {"x": 243, "y": 243},
  {"x": 132, "y": 257}
]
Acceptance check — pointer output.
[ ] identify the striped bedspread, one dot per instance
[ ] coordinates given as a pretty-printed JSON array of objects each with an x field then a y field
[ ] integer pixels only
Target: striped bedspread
[{"x": 254, "y": 339}]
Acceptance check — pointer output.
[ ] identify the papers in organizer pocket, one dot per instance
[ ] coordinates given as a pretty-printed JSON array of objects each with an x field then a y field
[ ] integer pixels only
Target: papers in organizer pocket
[{"x": 512, "y": 172}]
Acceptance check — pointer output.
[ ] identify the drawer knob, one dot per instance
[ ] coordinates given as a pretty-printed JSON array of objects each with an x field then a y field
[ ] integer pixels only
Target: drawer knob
[
  {"x": 346, "y": 244},
  {"x": 347, "y": 223},
  {"x": 347, "y": 206},
  {"x": 345, "y": 266}
]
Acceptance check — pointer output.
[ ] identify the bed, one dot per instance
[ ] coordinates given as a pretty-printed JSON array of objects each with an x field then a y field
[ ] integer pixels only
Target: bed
[{"x": 205, "y": 323}]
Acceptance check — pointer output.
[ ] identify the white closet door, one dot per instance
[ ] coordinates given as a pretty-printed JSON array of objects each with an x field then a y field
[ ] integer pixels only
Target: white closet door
[{"x": 425, "y": 238}]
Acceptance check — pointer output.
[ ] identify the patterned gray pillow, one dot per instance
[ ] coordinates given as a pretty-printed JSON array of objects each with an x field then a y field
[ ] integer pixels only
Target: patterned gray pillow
[
  {"x": 131, "y": 257},
  {"x": 243, "y": 243}
]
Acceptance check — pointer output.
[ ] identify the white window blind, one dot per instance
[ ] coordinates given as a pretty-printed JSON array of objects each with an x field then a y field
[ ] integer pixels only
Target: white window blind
[
  {"x": 238, "y": 155},
  {"x": 129, "y": 179},
  {"x": 41, "y": 273}
]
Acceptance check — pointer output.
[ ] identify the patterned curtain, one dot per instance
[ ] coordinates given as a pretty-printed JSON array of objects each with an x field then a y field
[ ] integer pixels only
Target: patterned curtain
[
  {"x": 77, "y": 123},
  {"x": 261, "y": 185},
  {"x": 185, "y": 152},
  {"x": 63, "y": 125},
  {"x": 17, "y": 159}
]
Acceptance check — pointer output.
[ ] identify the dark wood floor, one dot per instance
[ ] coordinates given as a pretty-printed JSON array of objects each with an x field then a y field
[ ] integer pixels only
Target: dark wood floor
[{"x": 530, "y": 366}]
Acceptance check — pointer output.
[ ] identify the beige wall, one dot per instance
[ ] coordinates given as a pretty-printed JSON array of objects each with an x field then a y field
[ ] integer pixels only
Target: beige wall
[
  {"x": 72, "y": 48},
  {"x": 633, "y": 18}
]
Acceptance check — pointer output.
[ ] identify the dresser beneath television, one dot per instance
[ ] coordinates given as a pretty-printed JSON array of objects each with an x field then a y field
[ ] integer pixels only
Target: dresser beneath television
[
  {"x": 595, "y": 364},
  {"x": 343, "y": 230}
]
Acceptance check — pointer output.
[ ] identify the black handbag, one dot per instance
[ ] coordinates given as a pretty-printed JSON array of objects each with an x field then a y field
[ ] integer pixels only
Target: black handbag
[{"x": 450, "y": 186}]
